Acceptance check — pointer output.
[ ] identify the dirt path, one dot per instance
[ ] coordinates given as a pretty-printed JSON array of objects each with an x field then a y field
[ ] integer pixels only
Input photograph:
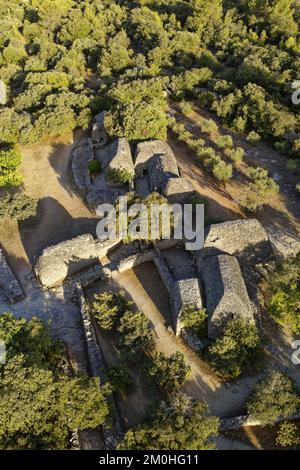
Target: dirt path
[{"x": 61, "y": 212}]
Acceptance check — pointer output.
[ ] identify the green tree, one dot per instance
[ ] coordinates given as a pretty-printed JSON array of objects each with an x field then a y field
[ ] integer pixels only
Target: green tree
[
  {"x": 274, "y": 397},
  {"x": 180, "y": 423},
  {"x": 284, "y": 298},
  {"x": 108, "y": 308},
  {"x": 169, "y": 373},
  {"x": 232, "y": 350},
  {"x": 136, "y": 336}
]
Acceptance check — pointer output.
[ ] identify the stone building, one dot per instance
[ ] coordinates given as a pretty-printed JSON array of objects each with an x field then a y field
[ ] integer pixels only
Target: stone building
[
  {"x": 225, "y": 293},
  {"x": 177, "y": 190},
  {"x": 146, "y": 151},
  {"x": 246, "y": 239},
  {"x": 120, "y": 156},
  {"x": 58, "y": 262}
]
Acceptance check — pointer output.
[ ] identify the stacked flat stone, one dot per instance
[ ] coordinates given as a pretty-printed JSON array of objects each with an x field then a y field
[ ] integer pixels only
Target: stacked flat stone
[{"x": 9, "y": 282}]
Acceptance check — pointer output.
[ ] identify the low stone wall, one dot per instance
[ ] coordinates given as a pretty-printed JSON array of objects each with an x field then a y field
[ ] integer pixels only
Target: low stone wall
[
  {"x": 237, "y": 422},
  {"x": 112, "y": 430},
  {"x": 9, "y": 282},
  {"x": 80, "y": 166},
  {"x": 134, "y": 260}
]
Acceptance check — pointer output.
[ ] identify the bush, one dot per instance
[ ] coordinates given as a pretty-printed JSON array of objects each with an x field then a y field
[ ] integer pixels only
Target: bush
[
  {"x": 236, "y": 155},
  {"x": 95, "y": 166},
  {"x": 195, "y": 319},
  {"x": 17, "y": 206},
  {"x": 186, "y": 108},
  {"x": 285, "y": 295},
  {"x": 294, "y": 166},
  {"x": 180, "y": 423},
  {"x": 288, "y": 435},
  {"x": 209, "y": 126},
  {"x": 119, "y": 379},
  {"x": 10, "y": 161},
  {"x": 136, "y": 335},
  {"x": 222, "y": 171},
  {"x": 169, "y": 373},
  {"x": 120, "y": 176},
  {"x": 108, "y": 308},
  {"x": 259, "y": 190},
  {"x": 274, "y": 397},
  {"x": 253, "y": 137},
  {"x": 233, "y": 349},
  {"x": 225, "y": 142}
]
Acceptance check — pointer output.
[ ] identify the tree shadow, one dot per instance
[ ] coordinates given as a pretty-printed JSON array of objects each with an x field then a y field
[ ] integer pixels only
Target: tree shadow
[{"x": 53, "y": 224}]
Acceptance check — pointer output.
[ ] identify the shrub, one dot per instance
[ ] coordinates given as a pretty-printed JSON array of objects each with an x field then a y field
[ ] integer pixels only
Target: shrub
[
  {"x": 294, "y": 166},
  {"x": 288, "y": 435},
  {"x": 259, "y": 190},
  {"x": 231, "y": 351},
  {"x": 169, "y": 373},
  {"x": 10, "y": 161},
  {"x": 108, "y": 307},
  {"x": 285, "y": 295},
  {"x": 17, "y": 206},
  {"x": 176, "y": 424},
  {"x": 222, "y": 171},
  {"x": 94, "y": 166},
  {"x": 253, "y": 137},
  {"x": 274, "y": 397},
  {"x": 119, "y": 378},
  {"x": 236, "y": 155},
  {"x": 195, "y": 319},
  {"x": 186, "y": 108},
  {"x": 136, "y": 335},
  {"x": 298, "y": 188},
  {"x": 225, "y": 142},
  {"x": 120, "y": 176},
  {"x": 209, "y": 126}
]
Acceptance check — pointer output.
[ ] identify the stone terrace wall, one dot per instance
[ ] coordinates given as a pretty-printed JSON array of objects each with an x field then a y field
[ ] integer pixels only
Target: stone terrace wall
[
  {"x": 9, "y": 282},
  {"x": 112, "y": 431}
]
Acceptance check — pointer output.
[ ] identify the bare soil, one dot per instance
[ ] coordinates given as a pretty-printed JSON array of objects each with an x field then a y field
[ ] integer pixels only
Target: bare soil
[{"x": 62, "y": 213}]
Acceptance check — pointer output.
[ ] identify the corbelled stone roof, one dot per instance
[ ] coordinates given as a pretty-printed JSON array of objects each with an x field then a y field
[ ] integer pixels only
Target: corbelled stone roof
[
  {"x": 178, "y": 190},
  {"x": 225, "y": 292},
  {"x": 246, "y": 239},
  {"x": 120, "y": 156},
  {"x": 146, "y": 151},
  {"x": 60, "y": 261}
]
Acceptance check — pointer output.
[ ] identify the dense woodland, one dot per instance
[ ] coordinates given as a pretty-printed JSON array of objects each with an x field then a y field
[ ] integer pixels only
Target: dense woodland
[{"x": 64, "y": 61}]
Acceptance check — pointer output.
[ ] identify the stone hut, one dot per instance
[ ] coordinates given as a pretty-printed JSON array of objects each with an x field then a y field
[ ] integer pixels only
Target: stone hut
[
  {"x": 99, "y": 134},
  {"x": 120, "y": 156},
  {"x": 59, "y": 262},
  {"x": 225, "y": 292},
  {"x": 161, "y": 168},
  {"x": 246, "y": 239},
  {"x": 146, "y": 151},
  {"x": 178, "y": 190},
  {"x": 8, "y": 281}
]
